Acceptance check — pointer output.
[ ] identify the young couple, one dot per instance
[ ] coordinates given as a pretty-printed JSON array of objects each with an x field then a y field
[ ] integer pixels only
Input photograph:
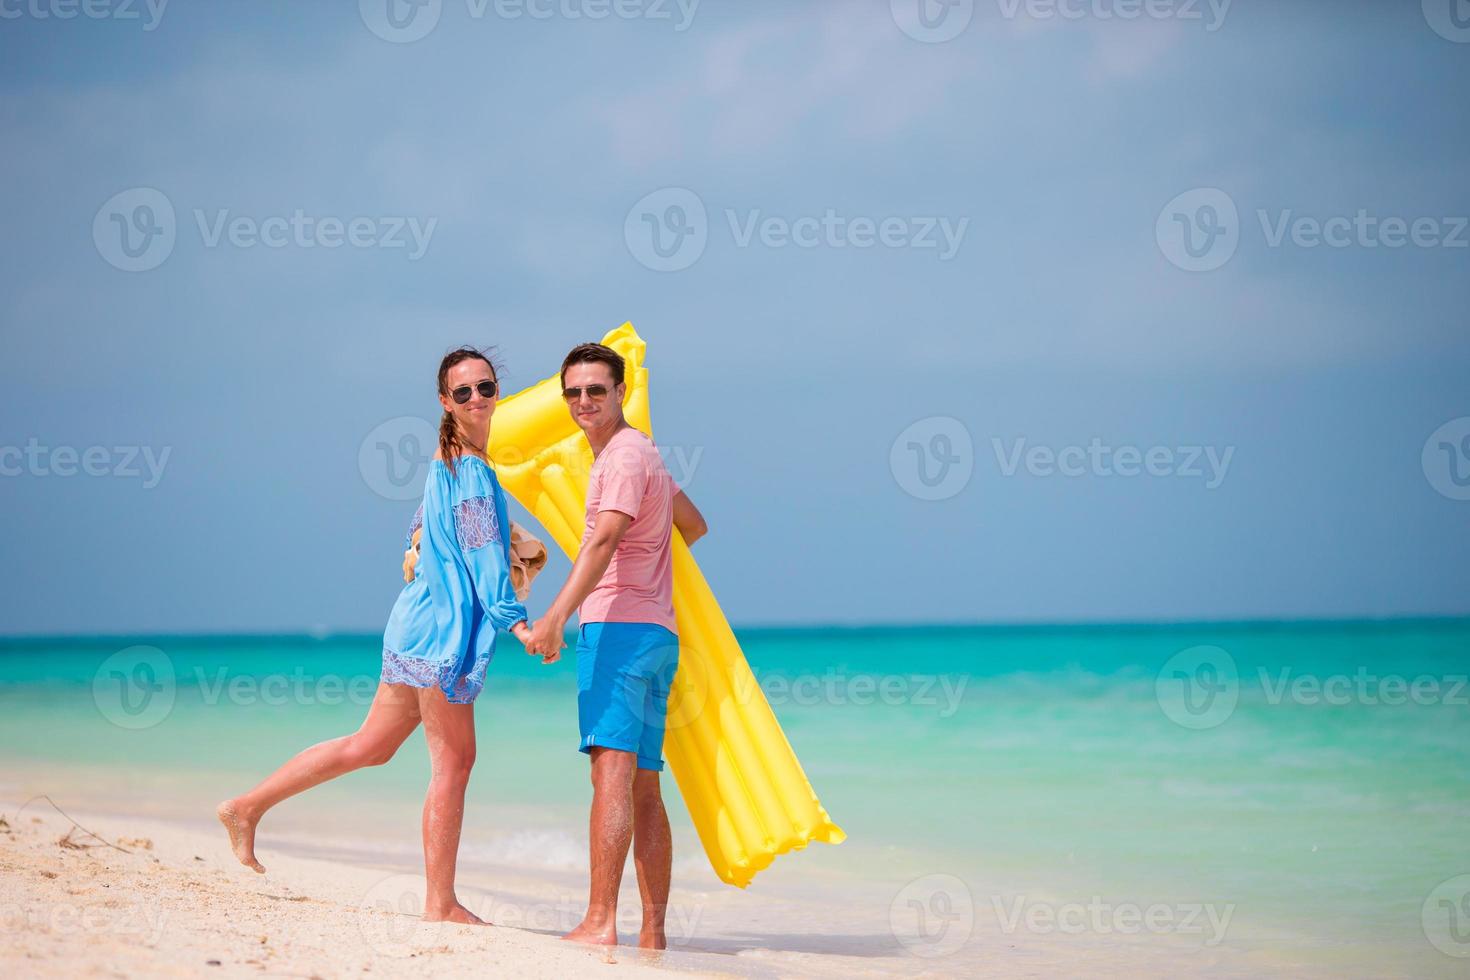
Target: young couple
[{"x": 441, "y": 636}]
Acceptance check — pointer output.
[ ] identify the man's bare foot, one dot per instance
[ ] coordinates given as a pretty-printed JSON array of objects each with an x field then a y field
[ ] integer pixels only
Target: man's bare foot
[
  {"x": 652, "y": 939},
  {"x": 455, "y": 913},
  {"x": 241, "y": 828},
  {"x": 596, "y": 935}
]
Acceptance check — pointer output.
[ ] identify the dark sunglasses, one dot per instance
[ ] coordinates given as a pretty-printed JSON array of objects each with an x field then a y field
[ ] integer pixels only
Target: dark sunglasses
[
  {"x": 487, "y": 389},
  {"x": 594, "y": 392}
]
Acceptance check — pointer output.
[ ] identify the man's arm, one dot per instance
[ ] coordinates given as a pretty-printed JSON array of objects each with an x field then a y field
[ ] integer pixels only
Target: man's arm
[
  {"x": 587, "y": 570},
  {"x": 688, "y": 519}
]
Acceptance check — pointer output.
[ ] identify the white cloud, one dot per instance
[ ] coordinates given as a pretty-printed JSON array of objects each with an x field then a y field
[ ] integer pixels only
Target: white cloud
[{"x": 782, "y": 78}]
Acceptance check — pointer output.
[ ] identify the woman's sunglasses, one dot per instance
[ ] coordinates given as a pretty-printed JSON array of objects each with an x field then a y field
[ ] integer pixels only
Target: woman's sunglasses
[
  {"x": 462, "y": 394},
  {"x": 594, "y": 392}
]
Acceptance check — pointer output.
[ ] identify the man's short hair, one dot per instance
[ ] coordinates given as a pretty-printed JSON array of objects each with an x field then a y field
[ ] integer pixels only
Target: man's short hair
[{"x": 594, "y": 354}]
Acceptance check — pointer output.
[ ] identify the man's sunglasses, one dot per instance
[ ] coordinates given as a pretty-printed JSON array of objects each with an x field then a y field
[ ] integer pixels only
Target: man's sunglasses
[
  {"x": 594, "y": 392},
  {"x": 487, "y": 389}
]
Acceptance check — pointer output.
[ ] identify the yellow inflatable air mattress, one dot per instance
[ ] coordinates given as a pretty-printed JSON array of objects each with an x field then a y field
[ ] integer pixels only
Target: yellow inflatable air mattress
[{"x": 744, "y": 788}]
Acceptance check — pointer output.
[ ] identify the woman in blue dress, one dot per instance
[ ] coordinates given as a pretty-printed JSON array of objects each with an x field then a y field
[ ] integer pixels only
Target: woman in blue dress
[{"x": 439, "y": 640}]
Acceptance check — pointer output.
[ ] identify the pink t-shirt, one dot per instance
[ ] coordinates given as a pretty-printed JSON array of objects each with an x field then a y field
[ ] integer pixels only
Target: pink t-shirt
[{"x": 638, "y": 586}]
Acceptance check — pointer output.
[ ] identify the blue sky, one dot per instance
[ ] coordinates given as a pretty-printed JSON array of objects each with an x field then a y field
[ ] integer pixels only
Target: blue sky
[{"x": 800, "y": 388}]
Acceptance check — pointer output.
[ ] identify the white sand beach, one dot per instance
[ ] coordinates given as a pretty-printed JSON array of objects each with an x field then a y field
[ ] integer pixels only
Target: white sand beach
[{"x": 164, "y": 898}]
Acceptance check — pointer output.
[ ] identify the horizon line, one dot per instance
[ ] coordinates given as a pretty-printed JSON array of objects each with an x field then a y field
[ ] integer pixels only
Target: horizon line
[{"x": 323, "y": 635}]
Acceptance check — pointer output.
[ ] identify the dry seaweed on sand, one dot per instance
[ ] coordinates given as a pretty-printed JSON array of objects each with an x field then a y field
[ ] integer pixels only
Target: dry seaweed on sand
[{"x": 66, "y": 841}]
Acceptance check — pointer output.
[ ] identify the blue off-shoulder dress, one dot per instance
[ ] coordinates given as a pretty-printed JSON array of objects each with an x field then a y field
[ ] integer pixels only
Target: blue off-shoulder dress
[{"x": 441, "y": 632}]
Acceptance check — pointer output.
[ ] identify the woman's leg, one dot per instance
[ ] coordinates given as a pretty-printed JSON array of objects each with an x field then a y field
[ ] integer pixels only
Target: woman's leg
[
  {"x": 450, "y": 731},
  {"x": 391, "y": 718}
]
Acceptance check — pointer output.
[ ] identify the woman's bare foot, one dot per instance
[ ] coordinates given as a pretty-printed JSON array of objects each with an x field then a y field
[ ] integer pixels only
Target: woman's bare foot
[
  {"x": 455, "y": 913},
  {"x": 241, "y": 828},
  {"x": 652, "y": 939},
  {"x": 586, "y": 932}
]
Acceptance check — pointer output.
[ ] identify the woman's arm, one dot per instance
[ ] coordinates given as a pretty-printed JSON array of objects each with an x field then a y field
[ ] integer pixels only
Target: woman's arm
[{"x": 483, "y": 532}]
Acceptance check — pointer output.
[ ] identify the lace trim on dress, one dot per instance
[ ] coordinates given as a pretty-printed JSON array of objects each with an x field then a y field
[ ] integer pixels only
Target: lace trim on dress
[
  {"x": 421, "y": 673},
  {"x": 476, "y": 523},
  {"x": 414, "y": 671},
  {"x": 469, "y": 684},
  {"x": 413, "y": 525}
]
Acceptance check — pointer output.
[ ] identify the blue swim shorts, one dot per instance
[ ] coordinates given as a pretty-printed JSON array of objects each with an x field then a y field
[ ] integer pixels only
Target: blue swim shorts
[{"x": 624, "y": 671}]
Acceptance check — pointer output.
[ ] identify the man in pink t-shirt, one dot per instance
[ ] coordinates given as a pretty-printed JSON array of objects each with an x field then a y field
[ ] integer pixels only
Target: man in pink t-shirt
[{"x": 622, "y": 588}]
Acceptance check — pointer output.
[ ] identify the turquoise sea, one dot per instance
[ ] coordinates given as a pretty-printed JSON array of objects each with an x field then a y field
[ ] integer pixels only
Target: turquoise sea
[{"x": 1307, "y": 785}]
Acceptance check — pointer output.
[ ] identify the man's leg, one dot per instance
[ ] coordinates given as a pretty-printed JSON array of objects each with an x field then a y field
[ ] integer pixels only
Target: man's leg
[
  {"x": 610, "y": 832},
  {"x": 653, "y": 856},
  {"x": 653, "y": 850}
]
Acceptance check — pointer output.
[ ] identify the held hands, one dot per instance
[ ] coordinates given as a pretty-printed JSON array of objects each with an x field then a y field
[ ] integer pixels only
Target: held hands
[
  {"x": 544, "y": 640},
  {"x": 522, "y": 631},
  {"x": 527, "y": 636},
  {"x": 530, "y": 640}
]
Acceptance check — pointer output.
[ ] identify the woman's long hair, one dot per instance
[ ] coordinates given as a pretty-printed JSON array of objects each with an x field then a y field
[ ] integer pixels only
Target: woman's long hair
[{"x": 450, "y": 442}]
